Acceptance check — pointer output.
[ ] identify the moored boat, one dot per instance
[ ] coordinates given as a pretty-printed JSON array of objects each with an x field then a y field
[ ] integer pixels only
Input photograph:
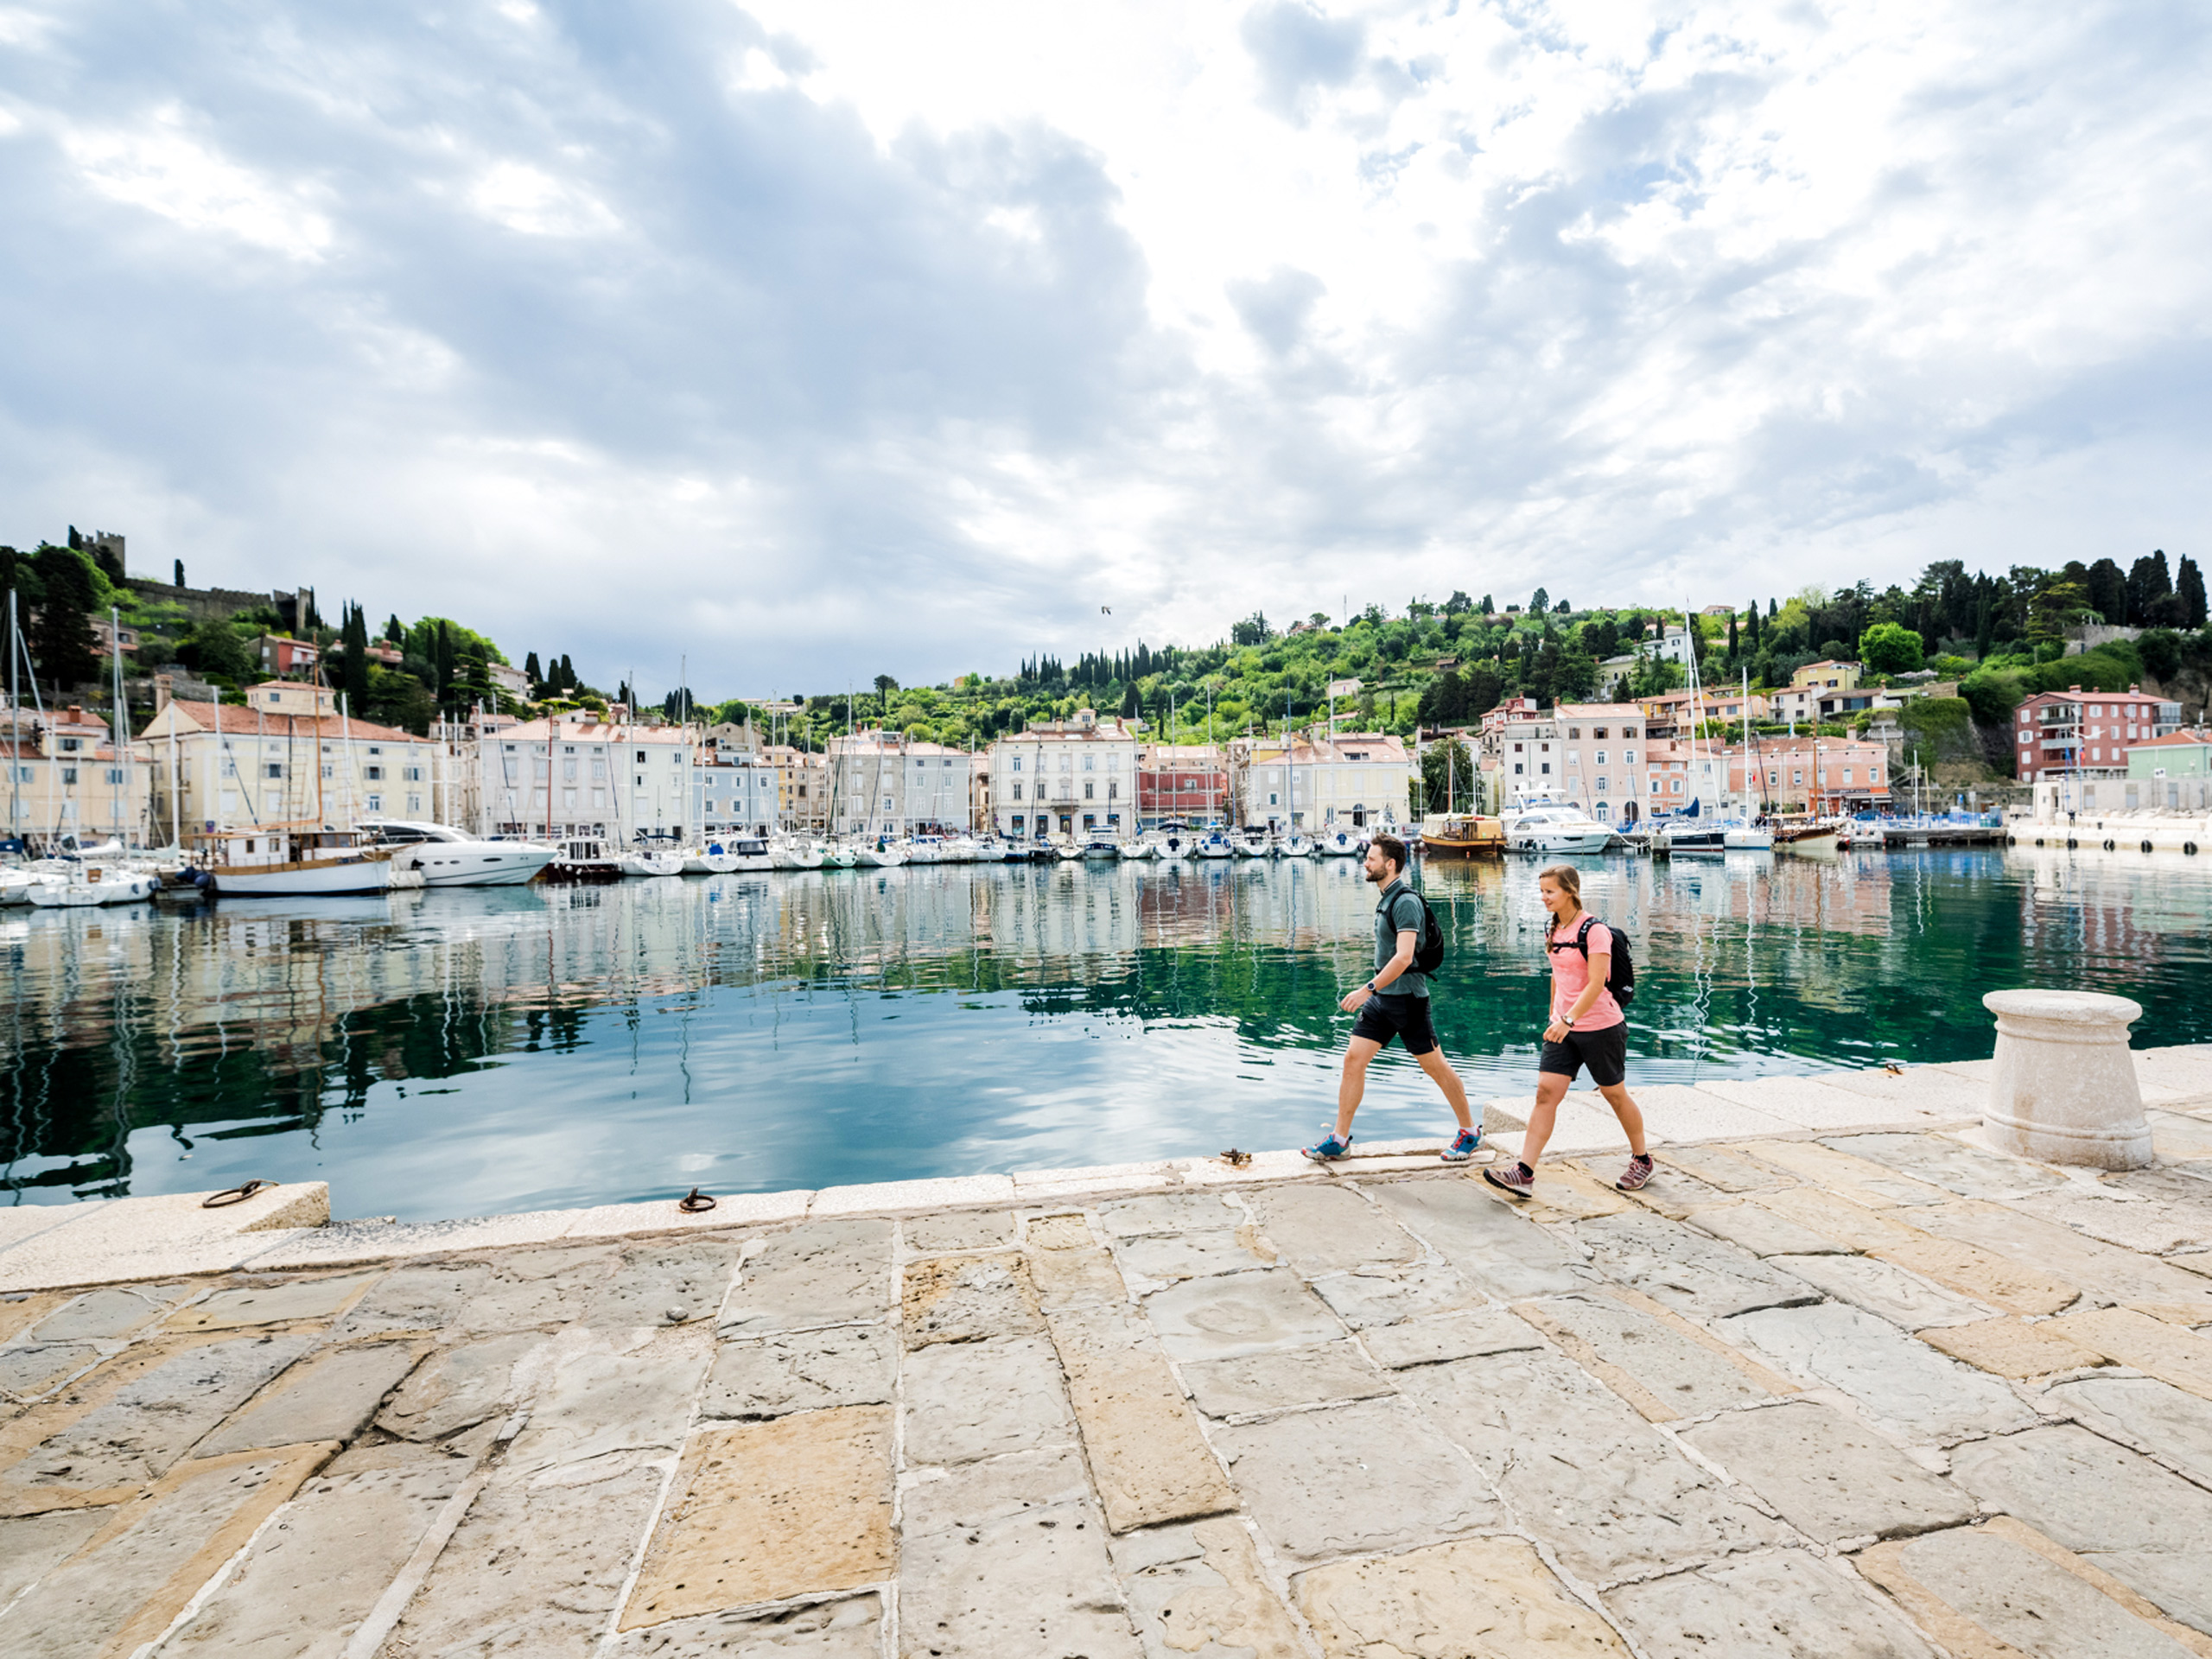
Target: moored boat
[
  {"x": 292, "y": 862},
  {"x": 91, "y": 885},
  {"x": 1341, "y": 843},
  {"x": 1462, "y": 835},
  {"x": 447, "y": 857},
  {"x": 583, "y": 858}
]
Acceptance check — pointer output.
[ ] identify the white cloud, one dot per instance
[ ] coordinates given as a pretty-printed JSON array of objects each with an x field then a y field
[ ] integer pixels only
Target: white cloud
[{"x": 855, "y": 335}]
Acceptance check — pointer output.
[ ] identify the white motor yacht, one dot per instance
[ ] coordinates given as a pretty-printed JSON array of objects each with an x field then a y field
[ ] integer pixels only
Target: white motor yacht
[
  {"x": 1746, "y": 838},
  {"x": 1549, "y": 827},
  {"x": 451, "y": 858},
  {"x": 739, "y": 854}
]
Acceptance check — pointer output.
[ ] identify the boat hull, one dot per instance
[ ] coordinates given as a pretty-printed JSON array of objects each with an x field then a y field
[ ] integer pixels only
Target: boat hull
[
  {"x": 316, "y": 879},
  {"x": 468, "y": 869}
]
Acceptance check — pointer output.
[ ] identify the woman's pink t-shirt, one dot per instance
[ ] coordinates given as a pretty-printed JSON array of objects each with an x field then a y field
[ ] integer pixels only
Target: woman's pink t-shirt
[{"x": 1571, "y": 972}]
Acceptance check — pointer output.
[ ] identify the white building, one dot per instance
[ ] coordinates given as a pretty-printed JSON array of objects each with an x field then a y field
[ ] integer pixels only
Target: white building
[
  {"x": 581, "y": 774},
  {"x": 740, "y": 794},
  {"x": 1072, "y": 777},
  {"x": 882, "y": 784},
  {"x": 1594, "y": 755},
  {"x": 1360, "y": 780},
  {"x": 66, "y": 780},
  {"x": 288, "y": 757}
]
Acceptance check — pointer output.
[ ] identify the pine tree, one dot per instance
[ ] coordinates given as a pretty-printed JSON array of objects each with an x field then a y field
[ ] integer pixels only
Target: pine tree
[
  {"x": 2189, "y": 583},
  {"x": 355, "y": 634},
  {"x": 61, "y": 632}
]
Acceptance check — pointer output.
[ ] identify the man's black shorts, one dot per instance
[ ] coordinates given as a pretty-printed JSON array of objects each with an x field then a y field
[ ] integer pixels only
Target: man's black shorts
[
  {"x": 1604, "y": 1052},
  {"x": 1382, "y": 1018}
]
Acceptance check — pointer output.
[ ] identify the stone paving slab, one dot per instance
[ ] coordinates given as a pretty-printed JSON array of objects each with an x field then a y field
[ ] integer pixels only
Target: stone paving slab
[{"x": 1832, "y": 1392}]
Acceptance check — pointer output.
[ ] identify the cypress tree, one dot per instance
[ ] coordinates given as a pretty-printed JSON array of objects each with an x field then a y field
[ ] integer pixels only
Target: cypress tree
[
  {"x": 61, "y": 630},
  {"x": 2189, "y": 583},
  {"x": 355, "y": 633},
  {"x": 445, "y": 664}
]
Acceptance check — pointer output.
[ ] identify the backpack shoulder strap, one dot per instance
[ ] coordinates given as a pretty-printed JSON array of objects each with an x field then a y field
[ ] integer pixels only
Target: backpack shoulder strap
[{"x": 1582, "y": 935}]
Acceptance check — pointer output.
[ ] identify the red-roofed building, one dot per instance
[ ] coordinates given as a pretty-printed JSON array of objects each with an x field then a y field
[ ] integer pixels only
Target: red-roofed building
[
  {"x": 288, "y": 757},
  {"x": 2086, "y": 734},
  {"x": 63, "y": 777}
]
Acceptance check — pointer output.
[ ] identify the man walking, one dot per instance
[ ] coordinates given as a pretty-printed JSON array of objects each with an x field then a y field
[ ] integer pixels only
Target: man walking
[{"x": 1394, "y": 1003}]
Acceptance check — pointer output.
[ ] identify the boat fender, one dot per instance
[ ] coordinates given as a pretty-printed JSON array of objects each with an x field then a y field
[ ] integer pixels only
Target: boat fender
[
  {"x": 2189, "y": 847},
  {"x": 2146, "y": 846},
  {"x": 2108, "y": 844},
  {"x": 2071, "y": 843}
]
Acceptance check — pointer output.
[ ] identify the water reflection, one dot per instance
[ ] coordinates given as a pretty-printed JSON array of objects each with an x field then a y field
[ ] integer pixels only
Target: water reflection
[{"x": 440, "y": 1053}]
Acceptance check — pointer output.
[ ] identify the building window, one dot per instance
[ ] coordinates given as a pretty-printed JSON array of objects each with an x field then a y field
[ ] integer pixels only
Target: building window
[
  {"x": 274, "y": 769},
  {"x": 1628, "y": 756},
  {"x": 376, "y": 803},
  {"x": 1601, "y": 753},
  {"x": 1017, "y": 794},
  {"x": 1017, "y": 766},
  {"x": 1873, "y": 774},
  {"x": 1113, "y": 789},
  {"x": 375, "y": 774},
  {"x": 1517, "y": 768},
  {"x": 115, "y": 774},
  {"x": 1546, "y": 768}
]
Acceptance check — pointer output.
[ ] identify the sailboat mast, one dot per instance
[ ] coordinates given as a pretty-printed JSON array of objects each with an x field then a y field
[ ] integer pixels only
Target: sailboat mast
[
  {"x": 122, "y": 732},
  {"x": 15, "y": 727}
]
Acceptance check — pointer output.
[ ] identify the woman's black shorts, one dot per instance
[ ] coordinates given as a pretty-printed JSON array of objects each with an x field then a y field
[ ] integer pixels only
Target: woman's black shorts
[
  {"x": 1604, "y": 1052},
  {"x": 1382, "y": 1018}
]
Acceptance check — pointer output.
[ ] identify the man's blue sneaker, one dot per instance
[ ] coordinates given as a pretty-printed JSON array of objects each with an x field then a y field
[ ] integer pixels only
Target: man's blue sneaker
[
  {"x": 1463, "y": 1146},
  {"x": 1329, "y": 1147}
]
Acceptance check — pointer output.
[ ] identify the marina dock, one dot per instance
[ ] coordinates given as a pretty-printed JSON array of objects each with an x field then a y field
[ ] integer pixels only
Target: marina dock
[{"x": 1842, "y": 1380}]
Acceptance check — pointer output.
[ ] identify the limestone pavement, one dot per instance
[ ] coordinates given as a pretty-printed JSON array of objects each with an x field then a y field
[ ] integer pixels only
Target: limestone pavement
[{"x": 1824, "y": 1390}]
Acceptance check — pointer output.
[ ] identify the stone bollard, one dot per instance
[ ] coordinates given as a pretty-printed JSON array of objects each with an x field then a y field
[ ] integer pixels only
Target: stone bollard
[{"x": 2064, "y": 1087}]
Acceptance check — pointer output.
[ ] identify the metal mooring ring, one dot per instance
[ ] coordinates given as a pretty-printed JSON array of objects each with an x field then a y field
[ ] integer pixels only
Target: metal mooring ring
[
  {"x": 230, "y": 1195},
  {"x": 695, "y": 1201}
]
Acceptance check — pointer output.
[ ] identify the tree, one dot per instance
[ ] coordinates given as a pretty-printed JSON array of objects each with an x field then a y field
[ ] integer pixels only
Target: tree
[
  {"x": 214, "y": 651},
  {"x": 1489, "y": 605},
  {"x": 530, "y": 668},
  {"x": 2108, "y": 591},
  {"x": 2189, "y": 583},
  {"x": 1252, "y": 631},
  {"x": 60, "y": 632},
  {"x": 1540, "y": 602},
  {"x": 1458, "y": 605},
  {"x": 2054, "y": 610},
  {"x": 1891, "y": 648},
  {"x": 180, "y": 573},
  {"x": 2148, "y": 581},
  {"x": 395, "y": 631},
  {"x": 2161, "y": 651},
  {"x": 885, "y": 685},
  {"x": 356, "y": 664},
  {"x": 1448, "y": 777}
]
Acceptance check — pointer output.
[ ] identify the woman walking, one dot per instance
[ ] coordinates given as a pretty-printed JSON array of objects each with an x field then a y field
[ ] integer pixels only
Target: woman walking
[{"x": 1587, "y": 1028}]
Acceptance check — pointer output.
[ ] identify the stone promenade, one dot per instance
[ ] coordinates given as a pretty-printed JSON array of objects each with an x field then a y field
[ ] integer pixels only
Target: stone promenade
[{"x": 1853, "y": 1387}]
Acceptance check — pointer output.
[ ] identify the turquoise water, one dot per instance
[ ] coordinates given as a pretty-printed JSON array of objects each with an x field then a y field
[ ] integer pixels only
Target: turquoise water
[{"x": 457, "y": 1053}]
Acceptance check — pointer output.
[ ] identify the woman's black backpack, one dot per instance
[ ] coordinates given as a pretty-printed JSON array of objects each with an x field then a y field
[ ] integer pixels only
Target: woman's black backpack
[{"x": 1620, "y": 975}]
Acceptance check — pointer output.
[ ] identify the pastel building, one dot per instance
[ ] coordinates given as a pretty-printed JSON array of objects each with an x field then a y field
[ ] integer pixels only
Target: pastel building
[
  {"x": 1070, "y": 777},
  {"x": 2087, "y": 734}
]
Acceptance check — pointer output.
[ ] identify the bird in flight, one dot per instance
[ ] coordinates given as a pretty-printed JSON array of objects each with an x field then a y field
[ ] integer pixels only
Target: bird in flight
[{"x": 1105, "y": 610}]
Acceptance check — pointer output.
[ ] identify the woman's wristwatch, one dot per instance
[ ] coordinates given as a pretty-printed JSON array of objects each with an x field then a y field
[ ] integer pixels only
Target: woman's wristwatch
[{"x": 1568, "y": 1019}]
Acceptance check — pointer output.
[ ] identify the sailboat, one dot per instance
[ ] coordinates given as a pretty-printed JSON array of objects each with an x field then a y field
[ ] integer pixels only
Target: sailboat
[{"x": 1747, "y": 835}]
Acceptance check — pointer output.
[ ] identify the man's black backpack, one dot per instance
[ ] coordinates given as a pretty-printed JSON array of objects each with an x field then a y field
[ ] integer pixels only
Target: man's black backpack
[
  {"x": 1429, "y": 955},
  {"x": 1620, "y": 976}
]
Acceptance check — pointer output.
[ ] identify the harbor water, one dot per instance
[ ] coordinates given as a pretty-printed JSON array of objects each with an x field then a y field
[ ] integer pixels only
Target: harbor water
[{"x": 451, "y": 1054}]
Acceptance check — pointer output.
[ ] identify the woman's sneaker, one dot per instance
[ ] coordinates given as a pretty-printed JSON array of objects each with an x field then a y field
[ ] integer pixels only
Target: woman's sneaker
[
  {"x": 1463, "y": 1146},
  {"x": 1330, "y": 1147},
  {"x": 1520, "y": 1180},
  {"x": 1638, "y": 1172}
]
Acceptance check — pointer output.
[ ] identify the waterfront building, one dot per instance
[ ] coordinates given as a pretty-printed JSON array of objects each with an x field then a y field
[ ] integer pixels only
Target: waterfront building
[
  {"x": 586, "y": 774},
  {"x": 884, "y": 784},
  {"x": 287, "y": 757},
  {"x": 507, "y": 680},
  {"x": 2086, "y": 734},
  {"x": 802, "y": 785},
  {"x": 2171, "y": 774},
  {"x": 740, "y": 793},
  {"x": 1189, "y": 781},
  {"x": 1361, "y": 780},
  {"x": 1073, "y": 776},
  {"x": 66, "y": 779},
  {"x": 1601, "y": 748},
  {"x": 1809, "y": 774}
]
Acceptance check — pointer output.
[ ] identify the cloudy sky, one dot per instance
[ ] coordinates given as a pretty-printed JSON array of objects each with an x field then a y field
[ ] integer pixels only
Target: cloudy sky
[{"x": 814, "y": 338}]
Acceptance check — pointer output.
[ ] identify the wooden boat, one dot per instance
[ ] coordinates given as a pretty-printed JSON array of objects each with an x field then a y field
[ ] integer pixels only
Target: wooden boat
[
  {"x": 1462, "y": 835},
  {"x": 292, "y": 860}
]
